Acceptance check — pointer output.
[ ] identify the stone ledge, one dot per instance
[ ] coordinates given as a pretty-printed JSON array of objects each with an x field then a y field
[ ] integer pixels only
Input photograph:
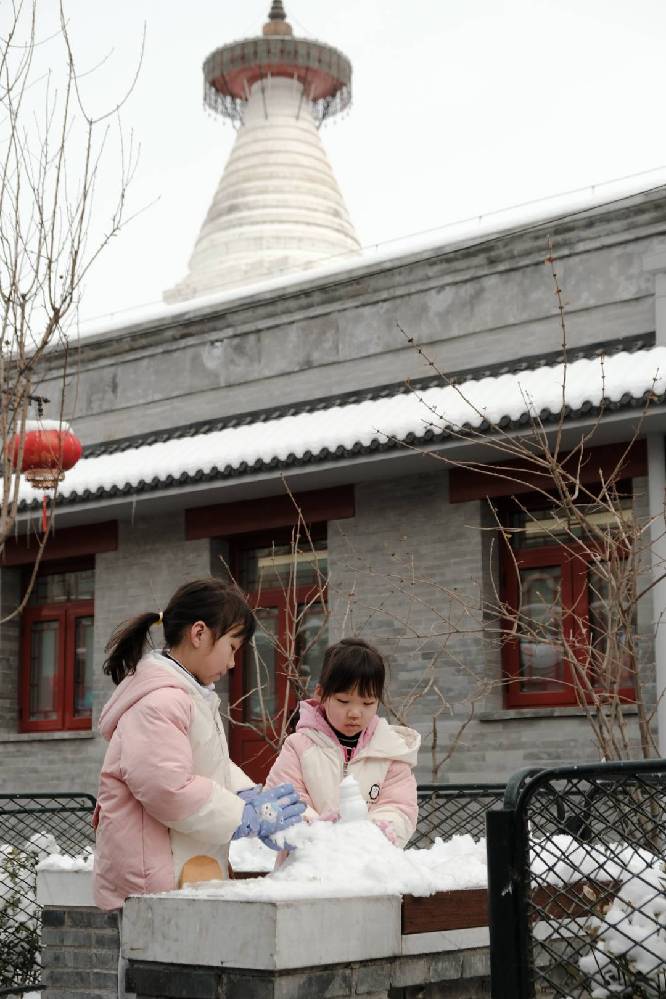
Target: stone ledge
[
  {"x": 67, "y": 890},
  {"x": 260, "y": 936},
  {"x": 516, "y": 714},
  {"x": 46, "y": 736}
]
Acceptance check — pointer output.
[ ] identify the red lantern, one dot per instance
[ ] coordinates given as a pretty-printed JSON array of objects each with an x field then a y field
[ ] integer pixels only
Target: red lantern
[{"x": 49, "y": 450}]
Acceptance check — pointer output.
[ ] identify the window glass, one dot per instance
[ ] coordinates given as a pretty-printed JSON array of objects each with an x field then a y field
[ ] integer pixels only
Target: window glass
[
  {"x": 283, "y": 584},
  {"x": 609, "y": 644},
  {"x": 261, "y": 662},
  {"x": 311, "y": 642},
  {"x": 280, "y": 567},
  {"x": 43, "y": 669},
  {"x": 83, "y": 667},
  {"x": 61, "y": 587},
  {"x": 536, "y": 528},
  {"x": 540, "y": 639}
]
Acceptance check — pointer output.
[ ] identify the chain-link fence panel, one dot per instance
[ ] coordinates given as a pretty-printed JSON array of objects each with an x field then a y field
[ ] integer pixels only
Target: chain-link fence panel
[
  {"x": 31, "y": 826},
  {"x": 447, "y": 810},
  {"x": 578, "y": 884}
]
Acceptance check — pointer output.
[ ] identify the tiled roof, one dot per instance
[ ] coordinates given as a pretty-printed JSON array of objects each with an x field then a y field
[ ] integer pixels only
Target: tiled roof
[{"x": 604, "y": 377}]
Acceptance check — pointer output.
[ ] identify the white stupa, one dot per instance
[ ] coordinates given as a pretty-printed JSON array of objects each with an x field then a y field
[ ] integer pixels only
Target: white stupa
[{"x": 278, "y": 207}]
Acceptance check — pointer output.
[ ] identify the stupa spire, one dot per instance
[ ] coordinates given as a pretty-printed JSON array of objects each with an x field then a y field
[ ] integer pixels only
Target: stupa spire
[
  {"x": 277, "y": 207},
  {"x": 277, "y": 23}
]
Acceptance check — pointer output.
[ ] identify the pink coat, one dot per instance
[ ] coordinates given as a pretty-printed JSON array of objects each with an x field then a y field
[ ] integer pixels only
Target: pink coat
[
  {"x": 314, "y": 762},
  {"x": 167, "y": 790}
]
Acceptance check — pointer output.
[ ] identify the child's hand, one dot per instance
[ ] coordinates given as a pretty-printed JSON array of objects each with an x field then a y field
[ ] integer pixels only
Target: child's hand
[
  {"x": 268, "y": 812},
  {"x": 330, "y": 816},
  {"x": 278, "y": 847}
]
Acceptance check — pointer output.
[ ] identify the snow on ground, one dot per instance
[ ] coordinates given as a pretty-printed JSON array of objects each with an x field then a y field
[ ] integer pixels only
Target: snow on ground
[{"x": 392, "y": 418}]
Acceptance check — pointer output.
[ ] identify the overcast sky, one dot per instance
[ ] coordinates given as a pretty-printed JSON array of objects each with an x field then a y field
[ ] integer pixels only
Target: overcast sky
[{"x": 460, "y": 107}]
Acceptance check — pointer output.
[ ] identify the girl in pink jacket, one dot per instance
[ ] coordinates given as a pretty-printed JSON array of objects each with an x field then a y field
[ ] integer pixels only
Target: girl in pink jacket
[
  {"x": 170, "y": 799},
  {"x": 340, "y": 733}
]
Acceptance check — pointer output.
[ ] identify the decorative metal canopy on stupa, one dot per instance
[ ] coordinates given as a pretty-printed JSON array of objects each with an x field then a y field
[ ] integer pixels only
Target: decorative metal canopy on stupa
[{"x": 277, "y": 208}]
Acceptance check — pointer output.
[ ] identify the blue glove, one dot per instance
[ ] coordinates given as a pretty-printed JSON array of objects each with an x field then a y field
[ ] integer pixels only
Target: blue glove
[
  {"x": 268, "y": 812},
  {"x": 272, "y": 845}
]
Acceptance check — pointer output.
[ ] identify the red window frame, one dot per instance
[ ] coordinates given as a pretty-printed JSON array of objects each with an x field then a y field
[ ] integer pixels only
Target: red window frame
[
  {"x": 66, "y": 614},
  {"x": 248, "y": 747},
  {"x": 574, "y": 564}
]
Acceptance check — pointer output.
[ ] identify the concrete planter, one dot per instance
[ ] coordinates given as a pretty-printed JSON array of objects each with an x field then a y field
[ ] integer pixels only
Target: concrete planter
[
  {"x": 445, "y": 910},
  {"x": 193, "y": 948}
]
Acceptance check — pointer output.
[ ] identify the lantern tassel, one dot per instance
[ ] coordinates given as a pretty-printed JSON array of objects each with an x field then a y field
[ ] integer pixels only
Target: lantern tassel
[{"x": 45, "y": 516}]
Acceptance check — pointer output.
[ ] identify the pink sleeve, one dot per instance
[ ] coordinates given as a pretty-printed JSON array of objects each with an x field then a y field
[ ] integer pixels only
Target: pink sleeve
[
  {"x": 287, "y": 770},
  {"x": 156, "y": 756},
  {"x": 397, "y": 806}
]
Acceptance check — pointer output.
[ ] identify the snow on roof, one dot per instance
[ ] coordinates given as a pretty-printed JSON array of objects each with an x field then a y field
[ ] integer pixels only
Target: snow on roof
[{"x": 349, "y": 429}]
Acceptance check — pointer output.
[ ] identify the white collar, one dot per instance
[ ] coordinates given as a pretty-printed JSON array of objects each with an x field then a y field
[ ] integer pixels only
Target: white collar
[{"x": 207, "y": 690}]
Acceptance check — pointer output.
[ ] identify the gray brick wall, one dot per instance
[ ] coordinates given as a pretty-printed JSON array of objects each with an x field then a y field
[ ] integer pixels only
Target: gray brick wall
[
  {"x": 153, "y": 558},
  {"x": 469, "y": 306},
  {"x": 80, "y": 948},
  {"x": 406, "y": 574},
  {"x": 447, "y": 975},
  {"x": 411, "y": 573}
]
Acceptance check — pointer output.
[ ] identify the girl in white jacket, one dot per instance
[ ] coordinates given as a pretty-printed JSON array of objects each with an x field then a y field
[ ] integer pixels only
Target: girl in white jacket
[{"x": 340, "y": 733}]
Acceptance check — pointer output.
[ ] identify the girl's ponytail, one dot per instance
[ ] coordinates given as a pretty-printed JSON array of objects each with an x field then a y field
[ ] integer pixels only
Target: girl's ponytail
[
  {"x": 220, "y": 606},
  {"x": 126, "y": 645}
]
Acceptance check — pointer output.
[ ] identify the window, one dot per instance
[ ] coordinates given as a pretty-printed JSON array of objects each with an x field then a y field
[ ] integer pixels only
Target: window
[
  {"x": 287, "y": 590},
  {"x": 563, "y": 640},
  {"x": 57, "y": 650}
]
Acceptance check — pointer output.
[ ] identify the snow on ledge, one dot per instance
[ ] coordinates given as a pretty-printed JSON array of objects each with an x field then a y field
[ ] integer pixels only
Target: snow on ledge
[
  {"x": 341, "y": 860},
  {"x": 63, "y": 862}
]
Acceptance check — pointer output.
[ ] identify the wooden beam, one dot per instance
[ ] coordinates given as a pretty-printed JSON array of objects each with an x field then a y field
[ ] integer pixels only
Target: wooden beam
[
  {"x": 70, "y": 542},
  {"x": 513, "y": 478},
  {"x": 249, "y": 516},
  {"x": 445, "y": 910}
]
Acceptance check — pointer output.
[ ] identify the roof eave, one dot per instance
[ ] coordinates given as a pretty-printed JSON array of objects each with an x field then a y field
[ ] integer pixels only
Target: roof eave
[{"x": 412, "y": 456}]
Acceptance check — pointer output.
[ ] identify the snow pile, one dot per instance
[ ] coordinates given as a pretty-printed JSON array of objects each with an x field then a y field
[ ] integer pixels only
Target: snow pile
[
  {"x": 20, "y": 916},
  {"x": 392, "y": 418},
  {"x": 562, "y": 859},
  {"x": 334, "y": 860},
  {"x": 628, "y": 935},
  {"x": 250, "y": 854},
  {"x": 63, "y": 862},
  {"x": 629, "y": 939},
  {"x": 43, "y": 845},
  {"x": 50, "y": 857}
]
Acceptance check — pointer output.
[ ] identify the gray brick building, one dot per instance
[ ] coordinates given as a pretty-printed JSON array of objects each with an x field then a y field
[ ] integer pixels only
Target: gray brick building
[{"x": 165, "y": 406}]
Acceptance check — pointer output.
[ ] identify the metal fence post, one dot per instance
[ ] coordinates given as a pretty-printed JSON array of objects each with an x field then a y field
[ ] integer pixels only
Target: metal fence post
[{"x": 506, "y": 972}]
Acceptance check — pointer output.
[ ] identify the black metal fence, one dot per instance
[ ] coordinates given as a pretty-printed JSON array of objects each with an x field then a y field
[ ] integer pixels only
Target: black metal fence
[
  {"x": 30, "y": 826},
  {"x": 447, "y": 810},
  {"x": 444, "y": 810},
  {"x": 577, "y": 883}
]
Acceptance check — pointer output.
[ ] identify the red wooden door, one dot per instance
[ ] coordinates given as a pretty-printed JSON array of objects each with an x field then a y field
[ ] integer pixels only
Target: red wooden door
[{"x": 284, "y": 660}]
